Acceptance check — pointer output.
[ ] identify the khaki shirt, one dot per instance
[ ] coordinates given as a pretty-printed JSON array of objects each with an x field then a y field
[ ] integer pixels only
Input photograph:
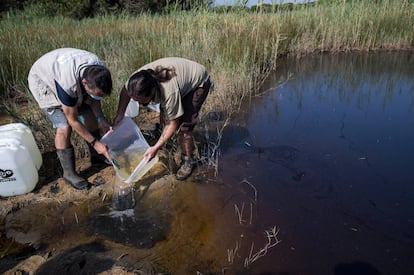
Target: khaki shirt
[{"x": 189, "y": 76}]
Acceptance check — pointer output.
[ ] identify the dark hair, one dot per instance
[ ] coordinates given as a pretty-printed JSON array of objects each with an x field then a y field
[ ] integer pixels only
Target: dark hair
[
  {"x": 146, "y": 83},
  {"x": 98, "y": 76}
]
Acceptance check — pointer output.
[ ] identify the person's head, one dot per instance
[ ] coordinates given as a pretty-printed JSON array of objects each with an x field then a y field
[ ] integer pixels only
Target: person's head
[
  {"x": 97, "y": 81},
  {"x": 144, "y": 85}
]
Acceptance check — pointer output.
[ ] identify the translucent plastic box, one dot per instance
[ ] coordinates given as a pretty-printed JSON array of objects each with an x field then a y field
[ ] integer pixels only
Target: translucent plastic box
[{"x": 127, "y": 146}]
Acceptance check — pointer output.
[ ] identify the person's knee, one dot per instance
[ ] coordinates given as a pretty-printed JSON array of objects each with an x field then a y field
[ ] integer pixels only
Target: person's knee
[
  {"x": 186, "y": 128},
  {"x": 62, "y": 138},
  {"x": 187, "y": 135},
  {"x": 64, "y": 131}
]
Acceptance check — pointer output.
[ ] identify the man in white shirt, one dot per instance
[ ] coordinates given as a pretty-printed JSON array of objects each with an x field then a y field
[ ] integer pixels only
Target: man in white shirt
[{"x": 68, "y": 84}]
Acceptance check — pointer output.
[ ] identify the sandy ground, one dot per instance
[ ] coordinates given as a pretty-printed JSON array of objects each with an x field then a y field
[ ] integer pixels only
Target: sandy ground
[
  {"x": 53, "y": 201},
  {"x": 19, "y": 251},
  {"x": 53, "y": 190}
]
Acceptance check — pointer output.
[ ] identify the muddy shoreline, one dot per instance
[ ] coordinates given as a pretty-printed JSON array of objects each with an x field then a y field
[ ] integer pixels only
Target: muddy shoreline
[{"x": 53, "y": 201}]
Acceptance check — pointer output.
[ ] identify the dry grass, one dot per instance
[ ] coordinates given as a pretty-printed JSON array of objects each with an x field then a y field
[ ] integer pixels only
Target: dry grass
[{"x": 238, "y": 49}]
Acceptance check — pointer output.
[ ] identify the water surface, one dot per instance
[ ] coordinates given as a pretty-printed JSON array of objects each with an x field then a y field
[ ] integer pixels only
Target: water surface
[{"x": 330, "y": 149}]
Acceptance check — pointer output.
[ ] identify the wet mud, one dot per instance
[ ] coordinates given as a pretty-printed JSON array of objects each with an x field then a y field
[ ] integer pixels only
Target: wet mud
[
  {"x": 136, "y": 227},
  {"x": 174, "y": 227}
]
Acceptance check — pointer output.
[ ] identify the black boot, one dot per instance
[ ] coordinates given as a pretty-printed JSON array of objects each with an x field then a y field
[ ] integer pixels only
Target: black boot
[
  {"x": 67, "y": 160},
  {"x": 97, "y": 159},
  {"x": 186, "y": 168}
]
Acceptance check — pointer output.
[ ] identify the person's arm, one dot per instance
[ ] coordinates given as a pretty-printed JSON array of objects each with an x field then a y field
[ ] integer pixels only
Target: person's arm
[
  {"x": 166, "y": 134},
  {"x": 122, "y": 105},
  {"x": 97, "y": 111},
  {"x": 72, "y": 117}
]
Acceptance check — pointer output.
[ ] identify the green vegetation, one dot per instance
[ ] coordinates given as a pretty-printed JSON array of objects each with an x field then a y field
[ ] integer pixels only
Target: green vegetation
[
  {"x": 90, "y": 8},
  {"x": 238, "y": 48}
]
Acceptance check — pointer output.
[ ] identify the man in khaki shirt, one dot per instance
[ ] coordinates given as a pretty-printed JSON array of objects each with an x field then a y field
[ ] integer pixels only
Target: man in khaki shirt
[{"x": 180, "y": 86}]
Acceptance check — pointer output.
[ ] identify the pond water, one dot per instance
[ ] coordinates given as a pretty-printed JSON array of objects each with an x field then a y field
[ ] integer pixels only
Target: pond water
[
  {"x": 314, "y": 177},
  {"x": 329, "y": 149}
]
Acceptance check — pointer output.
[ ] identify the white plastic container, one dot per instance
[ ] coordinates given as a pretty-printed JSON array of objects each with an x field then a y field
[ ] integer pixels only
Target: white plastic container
[
  {"x": 127, "y": 146},
  {"x": 132, "y": 109},
  {"x": 22, "y": 133},
  {"x": 18, "y": 174}
]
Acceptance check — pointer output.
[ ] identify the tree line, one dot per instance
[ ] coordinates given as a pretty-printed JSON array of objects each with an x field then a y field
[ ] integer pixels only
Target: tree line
[
  {"x": 89, "y": 8},
  {"x": 80, "y": 9}
]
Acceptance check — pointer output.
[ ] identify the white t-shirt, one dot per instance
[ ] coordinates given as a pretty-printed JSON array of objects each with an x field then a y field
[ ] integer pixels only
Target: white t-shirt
[{"x": 62, "y": 67}]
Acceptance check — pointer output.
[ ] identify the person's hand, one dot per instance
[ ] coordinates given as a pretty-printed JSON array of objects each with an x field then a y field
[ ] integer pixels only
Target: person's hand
[
  {"x": 118, "y": 119},
  {"x": 101, "y": 148},
  {"x": 110, "y": 129},
  {"x": 150, "y": 153}
]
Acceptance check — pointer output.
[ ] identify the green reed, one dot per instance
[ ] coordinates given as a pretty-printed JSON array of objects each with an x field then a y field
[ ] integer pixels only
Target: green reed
[{"x": 237, "y": 48}]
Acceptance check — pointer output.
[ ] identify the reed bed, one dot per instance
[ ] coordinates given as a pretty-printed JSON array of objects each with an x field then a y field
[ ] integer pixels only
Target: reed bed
[{"x": 238, "y": 49}]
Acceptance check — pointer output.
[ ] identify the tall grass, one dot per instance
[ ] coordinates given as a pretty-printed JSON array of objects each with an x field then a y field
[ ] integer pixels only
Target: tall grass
[{"x": 237, "y": 48}]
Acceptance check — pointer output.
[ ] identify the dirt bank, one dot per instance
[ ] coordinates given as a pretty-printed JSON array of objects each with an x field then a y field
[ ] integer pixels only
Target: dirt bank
[{"x": 23, "y": 252}]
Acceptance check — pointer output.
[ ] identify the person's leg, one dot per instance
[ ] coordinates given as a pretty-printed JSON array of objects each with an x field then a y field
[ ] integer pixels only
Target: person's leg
[
  {"x": 192, "y": 104},
  {"x": 64, "y": 148},
  {"x": 88, "y": 119},
  {"x": 187, "y": 159}
]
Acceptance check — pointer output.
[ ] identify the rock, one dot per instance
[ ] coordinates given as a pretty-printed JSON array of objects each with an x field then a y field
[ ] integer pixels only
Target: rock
[{"x": 28, "y": 266}]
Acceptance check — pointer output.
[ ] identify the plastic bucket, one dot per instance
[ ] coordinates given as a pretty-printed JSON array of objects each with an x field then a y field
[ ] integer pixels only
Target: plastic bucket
[
  {"x": 21, "y": 132},
  {"x": 18, "y": 174},
  {"x": 127, "y": 146}
]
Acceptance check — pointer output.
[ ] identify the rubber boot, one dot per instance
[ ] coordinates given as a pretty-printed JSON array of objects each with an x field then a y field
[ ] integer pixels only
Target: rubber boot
[
  {"x": 97, "y": 159},
  {"x": 67, "y": 160},
  {"x": 186, "y": 168},
  {"x": 187, "y": 162}
]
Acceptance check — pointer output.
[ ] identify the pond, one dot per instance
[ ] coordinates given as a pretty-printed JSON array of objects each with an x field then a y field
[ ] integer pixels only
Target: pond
[
  {"x": 314, "y": 177},
  {"x": 329, "y": 149}
]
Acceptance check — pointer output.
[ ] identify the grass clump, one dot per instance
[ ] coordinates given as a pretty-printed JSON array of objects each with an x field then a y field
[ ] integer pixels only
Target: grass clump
[{"x": 238, "y": 48}]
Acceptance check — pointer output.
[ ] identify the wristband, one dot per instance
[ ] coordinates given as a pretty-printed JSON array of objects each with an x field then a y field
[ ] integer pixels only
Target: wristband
[
  {"x": 92, "y": 143},
  {"x": 100, "y": 117}
]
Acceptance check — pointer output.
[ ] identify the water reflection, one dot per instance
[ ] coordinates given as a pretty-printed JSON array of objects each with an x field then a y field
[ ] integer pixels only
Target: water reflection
[
  {"x": 349, "y": 118},
  {"x": 345, "y": 100}
]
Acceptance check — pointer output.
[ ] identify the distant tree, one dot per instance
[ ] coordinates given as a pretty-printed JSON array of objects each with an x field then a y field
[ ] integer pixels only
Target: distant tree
[
  {"x": 7, "y": 5},
  {"x": 190, "y": 4},
  {"x": 89, "y": 8}
]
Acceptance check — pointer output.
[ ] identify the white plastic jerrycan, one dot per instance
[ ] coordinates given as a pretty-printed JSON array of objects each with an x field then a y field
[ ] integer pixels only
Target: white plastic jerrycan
[
  {"x": 22, "y": 133},
  {"x": 18, "y": 174}
]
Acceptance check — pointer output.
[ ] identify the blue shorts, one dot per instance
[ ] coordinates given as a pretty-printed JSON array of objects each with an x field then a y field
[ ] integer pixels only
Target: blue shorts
[{"x": 58, "y": 118}]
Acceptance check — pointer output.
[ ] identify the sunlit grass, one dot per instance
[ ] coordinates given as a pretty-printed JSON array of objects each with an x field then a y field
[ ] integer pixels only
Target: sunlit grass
[{"x": 237, "y": 48}]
